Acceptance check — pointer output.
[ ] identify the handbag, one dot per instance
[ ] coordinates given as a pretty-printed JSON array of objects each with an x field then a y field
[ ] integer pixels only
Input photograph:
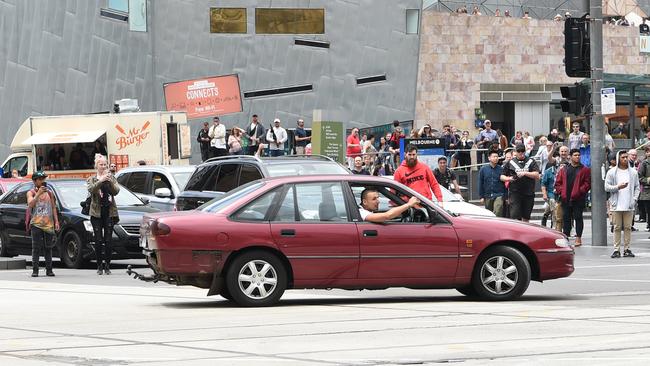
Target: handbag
[{"x": 85, "y": 206}]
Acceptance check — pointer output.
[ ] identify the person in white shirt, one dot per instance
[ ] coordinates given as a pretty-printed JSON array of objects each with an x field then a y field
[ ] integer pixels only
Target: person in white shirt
[
  {"x": 575, "y": 137},
  {"x": 217, "y": 134},
  {"x": 276, "y": 138},
  {"x": 370, "y": 204},
  {"x": 622, "y": 182}
]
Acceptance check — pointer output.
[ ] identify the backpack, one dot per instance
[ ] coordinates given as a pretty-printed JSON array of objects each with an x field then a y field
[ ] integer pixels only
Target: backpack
[{"x": 28, "y": 211}]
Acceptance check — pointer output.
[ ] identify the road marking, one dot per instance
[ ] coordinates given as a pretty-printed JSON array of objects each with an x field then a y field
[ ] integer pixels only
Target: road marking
[
  {"x": 605, "y": 280},
  {"x": 615, "y": 265}
]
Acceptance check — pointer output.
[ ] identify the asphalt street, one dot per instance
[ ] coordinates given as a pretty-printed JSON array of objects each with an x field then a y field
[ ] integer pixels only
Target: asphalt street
[{"x": 598, "y": 316}]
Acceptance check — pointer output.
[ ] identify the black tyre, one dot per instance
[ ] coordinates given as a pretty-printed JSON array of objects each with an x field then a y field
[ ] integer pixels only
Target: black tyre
[
  {"x": 225, "y": 293},
  {"x": 71, "y": 250},
  {"x": 4, "y": 249},
  {"x": 501, "y": 273},
  {"x": 467, "y": 291},
  {"x": 256, "y": 278}
]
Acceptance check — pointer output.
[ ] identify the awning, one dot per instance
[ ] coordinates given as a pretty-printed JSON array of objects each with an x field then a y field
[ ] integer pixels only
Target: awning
[{"x": 63, "y": 137}]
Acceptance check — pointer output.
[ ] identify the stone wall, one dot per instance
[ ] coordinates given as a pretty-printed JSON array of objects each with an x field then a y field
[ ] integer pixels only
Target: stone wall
[{"x": 458, "y": 53}]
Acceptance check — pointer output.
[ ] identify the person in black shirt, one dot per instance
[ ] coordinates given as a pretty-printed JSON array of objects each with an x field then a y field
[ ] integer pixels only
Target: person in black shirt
[
  {"x": 444, "y": 176},
  {"x": 358, "y": 166},
  {"x": 78, "y": 158},
  {"x": 204, "y": 141},
  {"x": 520, "y": 175}
]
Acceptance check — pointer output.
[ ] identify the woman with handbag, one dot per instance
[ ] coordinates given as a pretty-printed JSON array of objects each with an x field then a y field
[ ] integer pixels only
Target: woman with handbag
[{"x": 103, "y": 188}]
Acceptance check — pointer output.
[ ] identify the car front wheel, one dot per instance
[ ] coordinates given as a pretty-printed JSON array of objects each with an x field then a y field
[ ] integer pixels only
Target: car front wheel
[
  {"x": 502, "y": 273},
  {"x": 71, "y": 250},
  {"x": 256, "y": 278}
]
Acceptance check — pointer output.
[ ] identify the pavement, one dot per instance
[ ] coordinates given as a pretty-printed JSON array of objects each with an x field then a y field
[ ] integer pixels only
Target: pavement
[{"x": 598, "y": 316}]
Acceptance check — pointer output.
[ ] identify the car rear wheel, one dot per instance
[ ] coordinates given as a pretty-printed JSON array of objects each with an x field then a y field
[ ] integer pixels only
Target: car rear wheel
[
  {"x": 71, "y": 250},
  {"x": 501, "y": 273},
  {"x": 256, "y": 278}
]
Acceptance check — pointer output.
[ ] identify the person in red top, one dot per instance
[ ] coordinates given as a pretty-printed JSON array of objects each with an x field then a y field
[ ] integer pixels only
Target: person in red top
[
  {"x": 573, "y": 182},
  {"x": 417, "y": 176},
  {"x": 353, "y": 147}
]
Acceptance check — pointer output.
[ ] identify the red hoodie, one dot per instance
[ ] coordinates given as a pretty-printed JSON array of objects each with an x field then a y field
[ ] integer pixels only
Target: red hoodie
[{"x": 420, "y": 178}]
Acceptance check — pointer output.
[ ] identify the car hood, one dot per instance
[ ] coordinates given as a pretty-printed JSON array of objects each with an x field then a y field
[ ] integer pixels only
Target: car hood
[
  {"x": 504, "y": 225},
  {"x": 465, "y": 208}
]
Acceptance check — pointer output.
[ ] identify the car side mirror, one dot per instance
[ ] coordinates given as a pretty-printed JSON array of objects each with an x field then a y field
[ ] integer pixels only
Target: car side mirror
[
  {"x": 162, "y": 193},
  {"x": 144, "y": 200}
]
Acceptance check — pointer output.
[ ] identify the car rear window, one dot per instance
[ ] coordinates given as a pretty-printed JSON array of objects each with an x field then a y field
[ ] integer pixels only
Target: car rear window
[
  {"x": 289, "y": 168},
  {"x": 222, "y": 202}
]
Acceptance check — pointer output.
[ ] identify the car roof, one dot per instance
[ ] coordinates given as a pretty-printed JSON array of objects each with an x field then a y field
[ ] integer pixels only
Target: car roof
[
  {"x": 328, "y": 177},
  {"x": 314, "y": 159},
  {"x": 158, "y": 168},
  {"x": 13, "y": 180}
]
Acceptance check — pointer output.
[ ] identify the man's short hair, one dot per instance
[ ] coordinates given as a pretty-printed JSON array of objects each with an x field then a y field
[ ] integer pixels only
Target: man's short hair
[
  {"x": 493, "y": 152},
  {"x": 255, "y": 115},
  {"x": 442, "y": 158},
  {"x": 520, "y": 148},
  {"x": 573, "y": 151},
  {"x": 411, "y": 148},
  {"x": 365, "y": 192},
  {"x": 395, "y": 123}
]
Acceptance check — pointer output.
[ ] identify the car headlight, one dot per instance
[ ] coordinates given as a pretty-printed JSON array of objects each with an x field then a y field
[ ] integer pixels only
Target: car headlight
[
  {"x": 562, "y": 242},
  {"x": 88, "y": 225}
]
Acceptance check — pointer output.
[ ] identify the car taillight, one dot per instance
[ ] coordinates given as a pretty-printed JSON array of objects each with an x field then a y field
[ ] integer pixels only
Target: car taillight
[{"x": 159, "y": 229}]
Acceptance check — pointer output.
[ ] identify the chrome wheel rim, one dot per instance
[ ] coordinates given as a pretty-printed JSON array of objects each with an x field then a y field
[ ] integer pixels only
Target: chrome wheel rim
[
  {"x": 72, "y": 249},
  {"x": 499, "y": 275},
  {"x": 257, "y": 279}
]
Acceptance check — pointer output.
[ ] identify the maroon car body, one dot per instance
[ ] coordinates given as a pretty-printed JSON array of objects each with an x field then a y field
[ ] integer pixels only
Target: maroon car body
[{"x": 307, "y": 233}]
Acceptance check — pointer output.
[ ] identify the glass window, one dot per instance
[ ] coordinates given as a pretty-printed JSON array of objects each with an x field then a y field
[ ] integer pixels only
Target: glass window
[
  {"x": 198, "y": 179},
  {"x": 248, "y": 173},
  {"x": 289, "y": 21},
  {"x": 219, "y": 203},
  {"x": 121, "y": 5},
  {"x": 287, "y": 210},
  {"x": 19, "y": 196},
  {"x": 305, "y": 168},
  {"x": 122, "y": 179},
  {"x": 257, "y": 209},
  {"x": 321, "y": 202},
  {"x": 228, "y": 20},
  {"x": 227, "y": 178},
  {"x": 72, "y": 194},
  {"x": 181, "y": 179},
  {"x": 137, "y": 183},
  {"x": 385, "y": 202},
  {"x": 18, "y": 163},
  {"x": 412, "y": 21},
  {"x": 160, "y": 181}
]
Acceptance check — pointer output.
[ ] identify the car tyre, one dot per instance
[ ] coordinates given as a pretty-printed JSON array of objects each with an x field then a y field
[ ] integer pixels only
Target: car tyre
[
  {"x": 225, "y": 293},
  {"x": 467, "y": 291},
  {"x": 4, "y": 249},
  {"x": 501, "y": 273},
  {"x": 256, "y": 278},
  {"x": 71, "y": 250}
]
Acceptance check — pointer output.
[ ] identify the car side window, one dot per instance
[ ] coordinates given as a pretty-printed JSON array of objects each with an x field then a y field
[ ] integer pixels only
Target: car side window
[
  {"x": 137, "y": 183},
  {"x": 19, "y": 196},
  {"x": 257, "y": 209},
  {"x": 197, "y": 180},
  {"x": 159, "y": 181},
  {"x": 322, "y": 202},
  {"x": 287, "y": 209},
  {"x": 226, "y": 180},
  {"x": 248, "y": 173},
  {"x": 122, "y": 179}
]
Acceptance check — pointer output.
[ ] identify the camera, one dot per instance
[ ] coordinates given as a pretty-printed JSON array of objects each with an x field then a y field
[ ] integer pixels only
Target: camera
[{"x": 45, "y": 184}]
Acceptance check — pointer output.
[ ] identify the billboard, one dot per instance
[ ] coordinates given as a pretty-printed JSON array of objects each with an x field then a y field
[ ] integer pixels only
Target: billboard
[{"x": 206, "y": 97}]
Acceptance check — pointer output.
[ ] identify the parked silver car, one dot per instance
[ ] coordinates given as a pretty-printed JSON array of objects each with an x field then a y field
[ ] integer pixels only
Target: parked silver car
[{"x": 160, "y": 184}]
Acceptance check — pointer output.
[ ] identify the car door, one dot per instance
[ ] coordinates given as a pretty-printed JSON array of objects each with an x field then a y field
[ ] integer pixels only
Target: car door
[
  {"x": 12, "y": 212},
  {"x": 159, "y": 180},
  {"x": 405, "y": 250},
  {"x": 312, "y": 227}
]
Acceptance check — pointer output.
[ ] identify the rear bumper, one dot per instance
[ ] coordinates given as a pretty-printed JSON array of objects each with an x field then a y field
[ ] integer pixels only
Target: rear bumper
[
  {"x": 555, "y": 263},
  {"x": 185, "y": 262}
]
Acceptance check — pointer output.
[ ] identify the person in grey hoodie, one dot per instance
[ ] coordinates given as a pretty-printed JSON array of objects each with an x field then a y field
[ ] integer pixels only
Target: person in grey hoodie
[{"x": 622, "y": 182}]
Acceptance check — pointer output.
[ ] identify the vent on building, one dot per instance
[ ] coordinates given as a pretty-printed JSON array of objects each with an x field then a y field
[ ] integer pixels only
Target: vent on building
[
  {"x": 310, "y": 43},
  {"x": 277, "y": 91},
  {"x": 114, "y": 14},
  {"x": 371, "y": 79}
]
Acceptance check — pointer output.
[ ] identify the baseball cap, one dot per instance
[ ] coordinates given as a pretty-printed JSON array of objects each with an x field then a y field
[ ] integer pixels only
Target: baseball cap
[
  {"x": 520, "y": 148},
  {"x": 39, "y": 174},
  {"x": 276, "y": 120}
]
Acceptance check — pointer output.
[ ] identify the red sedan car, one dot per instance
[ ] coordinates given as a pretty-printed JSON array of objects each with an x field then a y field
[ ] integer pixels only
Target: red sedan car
[{"x": 307, "y": 232}]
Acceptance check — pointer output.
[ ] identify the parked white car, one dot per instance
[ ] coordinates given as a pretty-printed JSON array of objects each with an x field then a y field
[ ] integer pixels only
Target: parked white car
[
  {"x": 160, "y": 184},
  {"x": 455, "y": 204}
]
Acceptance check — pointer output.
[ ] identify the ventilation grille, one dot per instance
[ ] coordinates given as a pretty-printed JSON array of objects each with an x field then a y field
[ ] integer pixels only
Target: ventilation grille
[
  {"x": 114, "y": 14},
  {"x": 371, "y": 79},
  {"x": 310, "y": 43},
  {"x": 278, "y": 91}
]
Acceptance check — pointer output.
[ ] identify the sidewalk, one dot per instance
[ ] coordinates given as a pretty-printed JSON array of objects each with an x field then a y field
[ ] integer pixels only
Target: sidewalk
[{"x": 640, "y": 239}]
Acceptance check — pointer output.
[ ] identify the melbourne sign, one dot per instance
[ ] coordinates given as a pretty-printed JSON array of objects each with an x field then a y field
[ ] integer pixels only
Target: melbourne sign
[{"x": 202, "y": 98}]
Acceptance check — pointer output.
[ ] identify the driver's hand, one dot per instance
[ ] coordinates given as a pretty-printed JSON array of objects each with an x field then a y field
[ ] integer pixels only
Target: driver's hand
[{"x": 413, "y": 201}]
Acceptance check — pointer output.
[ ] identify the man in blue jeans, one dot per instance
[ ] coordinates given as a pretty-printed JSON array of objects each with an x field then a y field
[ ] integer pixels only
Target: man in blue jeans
[
  {"x": 491, "y": 188},
  {"x": 43, "y": 222}
]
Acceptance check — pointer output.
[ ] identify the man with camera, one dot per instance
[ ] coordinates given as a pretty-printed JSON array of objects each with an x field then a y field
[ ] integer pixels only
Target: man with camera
[{"x": 43, "y": 222}]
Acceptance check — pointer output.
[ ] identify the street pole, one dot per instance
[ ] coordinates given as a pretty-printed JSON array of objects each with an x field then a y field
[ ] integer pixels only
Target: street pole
[{"x": 598, "y": 197}]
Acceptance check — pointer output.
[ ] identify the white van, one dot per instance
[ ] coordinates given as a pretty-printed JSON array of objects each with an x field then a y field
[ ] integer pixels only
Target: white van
[{"x": 63, "y": 146}]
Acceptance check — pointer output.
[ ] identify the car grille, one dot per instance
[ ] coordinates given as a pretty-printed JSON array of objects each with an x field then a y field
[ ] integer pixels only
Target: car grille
[{"x": 132, "y": 229}]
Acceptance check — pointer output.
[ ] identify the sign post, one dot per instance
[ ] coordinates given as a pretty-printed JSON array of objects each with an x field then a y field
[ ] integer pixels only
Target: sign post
[{"x": 327, "y": 139}]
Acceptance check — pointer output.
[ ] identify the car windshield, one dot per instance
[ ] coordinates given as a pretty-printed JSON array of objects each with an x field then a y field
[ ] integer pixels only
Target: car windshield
[
  {"x": 221, "y": 202},
  {"x": 448, "y": 196},
  {"x": 9, "y": 186},
  {"x": 73, "y": 193},
  {"x": 182, "y": 178},
  {"x": 304, "y": 168}
]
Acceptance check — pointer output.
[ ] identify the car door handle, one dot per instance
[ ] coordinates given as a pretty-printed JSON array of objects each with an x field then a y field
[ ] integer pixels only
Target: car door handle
[
  {"x": 287, "y": 232},
  {"x": 367, "y": 233}
]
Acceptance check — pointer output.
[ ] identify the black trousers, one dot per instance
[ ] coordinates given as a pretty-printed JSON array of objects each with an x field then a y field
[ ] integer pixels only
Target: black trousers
[
  {"x": 214, "y": 152},
  {"x": 252, "y": 149},
  {"x": 205, "y": 153},
  {"x": 45, "y": 240},
  {"x": 644, "y": 207},
  {"x": 103, "y": 230},
  {"x": 573, "y": 211}
]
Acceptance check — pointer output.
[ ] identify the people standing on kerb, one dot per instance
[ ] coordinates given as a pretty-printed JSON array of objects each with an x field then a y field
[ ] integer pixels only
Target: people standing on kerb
[
  {"x": 217, "y": 135},
  {"x": 484, "y": 140},
  {"x": 562, "y": 161},
  {"x": 417, "y": 175},
  {"x": 256, "y": 133},
  {"x": 575, "y": 137},
  {"x": 444, "y": 176},
  {"x": 276, "y": 137},
  {"x": 644, "y": 196},
  {"x": 521, "y": 173},
  {"x": 235, "y": 146},
  {"x": 203, "y": 139},
  {"x": 491, "y": 188},
  {"x": 548, "y": 191},
  {"x": 573, "y": 183},
  {"x": 301, "y": 137},
  {"x": 622, "y": 182},
  {"x": 43, "y": 222},
  {"x": 103, "y": 188}
]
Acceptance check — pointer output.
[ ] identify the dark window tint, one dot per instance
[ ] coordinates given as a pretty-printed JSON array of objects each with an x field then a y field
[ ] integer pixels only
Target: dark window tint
[
  {"x": 226, "y": 179},
  {"x": 257, "y": 209},
  {"x": 19, "y": 196},
  {"x": 197, "y": 181},
  {"x": 137, "y": 183},
  {"x": 122, "y": 179},
  {"x": 248, "y": 173},
  {"x": 160, "y": 181}
]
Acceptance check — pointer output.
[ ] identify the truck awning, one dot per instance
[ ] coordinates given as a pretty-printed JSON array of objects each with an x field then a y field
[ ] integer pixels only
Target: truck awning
[{"x": 63, "y": 137}]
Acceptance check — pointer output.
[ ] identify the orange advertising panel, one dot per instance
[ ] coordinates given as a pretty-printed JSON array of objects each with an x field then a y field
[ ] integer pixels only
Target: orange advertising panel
[{"x": 204, "y": 97}]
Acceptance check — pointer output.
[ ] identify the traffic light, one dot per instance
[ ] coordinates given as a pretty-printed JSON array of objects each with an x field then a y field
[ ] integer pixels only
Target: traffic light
[
  {"x": 577, "y": 99},
  {"x": 577, "y": 62}
]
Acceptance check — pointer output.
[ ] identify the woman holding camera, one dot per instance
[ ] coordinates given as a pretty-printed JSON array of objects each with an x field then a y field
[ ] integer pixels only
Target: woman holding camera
[{"x": 103, "y": 211}]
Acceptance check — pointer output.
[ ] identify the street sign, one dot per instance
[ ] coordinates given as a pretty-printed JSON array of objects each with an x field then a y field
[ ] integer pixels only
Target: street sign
[
  {"x": 644, "y": 44},
  {"x": 608, "y": 100}
]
